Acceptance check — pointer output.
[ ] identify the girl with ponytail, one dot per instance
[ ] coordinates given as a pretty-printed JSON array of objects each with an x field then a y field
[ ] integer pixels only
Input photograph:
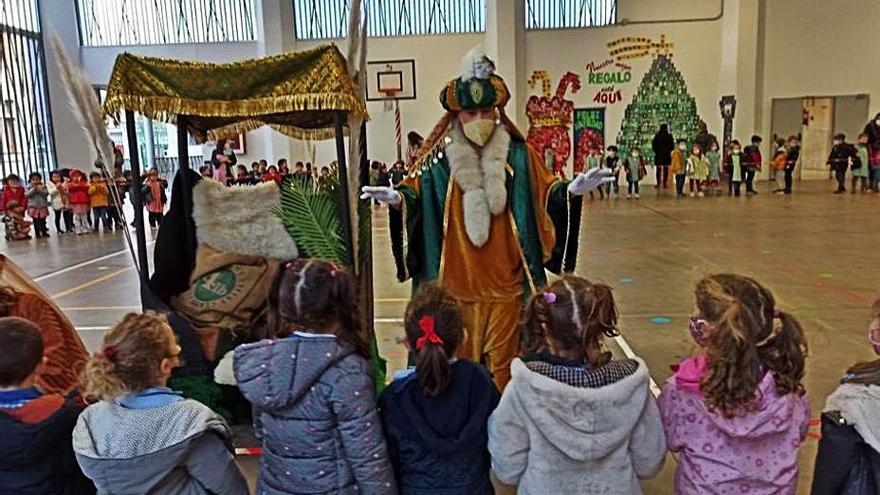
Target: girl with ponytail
[
  {"x": 736, "y": 412},
  {"x": 142, "y": 437},
  {"x": 435, "y": 415},
  {"x": 572, "y": 419},
  {"x": 312, "y": 390}
]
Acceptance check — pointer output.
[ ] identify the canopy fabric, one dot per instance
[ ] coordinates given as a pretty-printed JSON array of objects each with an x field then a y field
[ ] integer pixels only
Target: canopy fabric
[{"x": 296, "y": 93}]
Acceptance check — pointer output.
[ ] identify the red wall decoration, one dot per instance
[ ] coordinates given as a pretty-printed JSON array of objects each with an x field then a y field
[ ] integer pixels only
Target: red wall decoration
[{"x": 550, "y": 118}]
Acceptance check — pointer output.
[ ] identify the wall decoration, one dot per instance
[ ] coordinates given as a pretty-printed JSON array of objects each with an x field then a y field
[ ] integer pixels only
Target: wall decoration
[
  {"x": 550, "y": 118},
  {"x": 662, "y": 97},
  {"x": 608, "y": 72},
  {"x": 589, "y": 134},
  {"x": 631, "y": 48},
  {"x": 608, "y": 96}
]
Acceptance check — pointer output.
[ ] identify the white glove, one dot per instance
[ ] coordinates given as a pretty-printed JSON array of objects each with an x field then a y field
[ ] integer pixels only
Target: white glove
[
  {"x": 384, "y": 195},
  {"x": 592, "y": 179}
]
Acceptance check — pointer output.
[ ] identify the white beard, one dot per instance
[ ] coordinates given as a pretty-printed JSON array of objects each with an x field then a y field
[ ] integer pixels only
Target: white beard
[{"x": 481, "y": 178}]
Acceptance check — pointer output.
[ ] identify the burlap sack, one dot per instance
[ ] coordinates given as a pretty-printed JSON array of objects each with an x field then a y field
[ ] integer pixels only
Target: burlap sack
[{"x": 227, "y": 290}]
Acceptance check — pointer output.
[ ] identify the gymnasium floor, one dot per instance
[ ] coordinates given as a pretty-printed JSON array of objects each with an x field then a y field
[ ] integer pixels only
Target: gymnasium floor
[{"x": 815, "y": 251}]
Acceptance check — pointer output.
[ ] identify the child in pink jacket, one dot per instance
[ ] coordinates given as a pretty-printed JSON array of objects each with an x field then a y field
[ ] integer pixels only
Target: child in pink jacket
[{"x": 736, "y": 414}]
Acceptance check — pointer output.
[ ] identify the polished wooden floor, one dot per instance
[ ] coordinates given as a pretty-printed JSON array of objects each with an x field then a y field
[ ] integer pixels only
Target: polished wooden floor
[{"x": 817, "y": 252}]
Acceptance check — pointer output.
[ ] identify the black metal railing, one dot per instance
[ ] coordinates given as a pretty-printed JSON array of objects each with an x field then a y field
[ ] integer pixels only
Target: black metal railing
[{"x": 559, "y": 14}]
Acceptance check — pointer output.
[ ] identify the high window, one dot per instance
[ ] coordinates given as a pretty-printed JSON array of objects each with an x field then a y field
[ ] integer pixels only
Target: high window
[
  {"x": 559, "y": 14},
  {"x": 328, "y": 19}
]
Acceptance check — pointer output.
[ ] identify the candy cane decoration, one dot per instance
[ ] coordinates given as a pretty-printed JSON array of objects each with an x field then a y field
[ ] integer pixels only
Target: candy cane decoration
[{"x": 570, "y": 79}]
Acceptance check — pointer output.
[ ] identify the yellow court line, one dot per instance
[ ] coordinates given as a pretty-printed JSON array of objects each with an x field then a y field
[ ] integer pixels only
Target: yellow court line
[
  {"x": 89, "y": 283},
  {"x": 392, "y": 299}
]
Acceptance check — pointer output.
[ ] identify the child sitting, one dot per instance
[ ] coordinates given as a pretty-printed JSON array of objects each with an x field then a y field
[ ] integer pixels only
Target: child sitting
[
  {"x": 17, "y": 228},
  {"x": 312, "y": 390},
  {"x": 435, "y": 415},
  {"x": 573, "y": 420},
  {"x": 634, "y": 167},
  {"x": 12, "y": 191},
  {"x": 736, "y": 413},
  {"x": 272, "y": 175},
  {"x": 850, "y": 435},
  {"x": 678, "y": 167},
  {"x": 99, "y": 197},
  {"x": 36, "y": 455},
  {"x": 38, "y": 204},
  {"x": 143, "y": 437}
]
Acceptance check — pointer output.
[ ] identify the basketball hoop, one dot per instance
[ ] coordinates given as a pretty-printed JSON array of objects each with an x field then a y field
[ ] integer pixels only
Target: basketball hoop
[{"x": 388, "y": 97}]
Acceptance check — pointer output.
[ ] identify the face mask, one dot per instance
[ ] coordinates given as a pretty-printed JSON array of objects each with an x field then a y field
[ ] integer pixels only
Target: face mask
[
  {"x": 877, "y": 122},
  {"x": 683, "y": 147},
  {"x": 736, "y": 151},
  {"x": 698, "y": 327},
  {"x": 612, "y": 154},
  {"x": 837, "y": 143},
  {"x": 479, "y": 130},
  {"x": 635, "y": 153}
]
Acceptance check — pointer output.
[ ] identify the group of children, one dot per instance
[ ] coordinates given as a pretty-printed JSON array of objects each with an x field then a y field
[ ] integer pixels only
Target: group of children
[
  {"x": 573, "y": 419},
  {"x": 261, "y": 171}
]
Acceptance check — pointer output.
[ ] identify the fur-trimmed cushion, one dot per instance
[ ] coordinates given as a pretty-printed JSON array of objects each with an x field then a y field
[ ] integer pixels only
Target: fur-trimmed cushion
[{"x": 240, "y": 219}]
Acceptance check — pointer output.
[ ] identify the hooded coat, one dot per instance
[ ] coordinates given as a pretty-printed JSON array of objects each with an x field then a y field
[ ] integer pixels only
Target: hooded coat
[
  {"x": 754, "y": 453},
  {"x": 315, "y": 413},
  {"x": 552, "y": 438},
  {"x": 438, "y": 444},
  {"x": 182, "y": 448},
  {"x": 852, "y": 438},
  {"x": 78, "y": 192}
]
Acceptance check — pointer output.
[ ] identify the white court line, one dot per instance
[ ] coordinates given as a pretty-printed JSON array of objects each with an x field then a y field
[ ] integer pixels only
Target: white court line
[
  {"x": 624, "y": 346},
  {"x": 84, "y": 263}
]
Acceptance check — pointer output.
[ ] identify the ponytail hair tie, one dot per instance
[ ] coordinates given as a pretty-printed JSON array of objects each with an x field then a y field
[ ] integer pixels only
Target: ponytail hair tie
[
  {"x": 549, "y": 297},
  {"x": 429, "y": 335},
  {"x": 777, "y": 313}
]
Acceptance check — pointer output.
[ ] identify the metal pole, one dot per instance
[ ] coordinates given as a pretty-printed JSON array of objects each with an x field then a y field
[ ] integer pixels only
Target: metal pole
[
  {"x": 183, "y": 170},
  {"x": 339, "y": 120},
  {"x": 136, "y": 197}
]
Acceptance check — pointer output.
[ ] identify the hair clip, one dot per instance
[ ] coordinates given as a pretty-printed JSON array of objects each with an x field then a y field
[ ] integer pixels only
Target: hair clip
[
  {"x": 288, "y": 265},
  {"x": 549, "y": 297},
  {"x": 109, "y": 352},
  {"x": 334, "y": 269},
  {"x": 429, "y": 335}
]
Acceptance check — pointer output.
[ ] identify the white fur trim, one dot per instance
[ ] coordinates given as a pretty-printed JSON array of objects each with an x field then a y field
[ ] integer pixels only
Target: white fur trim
[
  {"x": 860, "y": 406},
  {"x": 476, "y": 64},
  {"x": 482, "y": 179},
  {"x": 239, "y": 219}
]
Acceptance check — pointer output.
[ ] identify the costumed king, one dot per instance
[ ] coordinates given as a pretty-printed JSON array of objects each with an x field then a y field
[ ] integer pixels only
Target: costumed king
[{"x": 484, "y": 215}]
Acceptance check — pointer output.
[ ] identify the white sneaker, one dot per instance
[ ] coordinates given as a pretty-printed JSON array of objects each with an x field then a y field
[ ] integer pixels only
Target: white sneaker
[
  {"x": 636, "y": 196},
  {"x": 628, "y": 195},
  {"x": 700, "y": 194},
  {"x": 692, "y": 195}
]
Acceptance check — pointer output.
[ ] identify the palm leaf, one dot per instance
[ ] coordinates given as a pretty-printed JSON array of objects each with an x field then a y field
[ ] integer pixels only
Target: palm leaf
[{"x": 312, "y": 218}]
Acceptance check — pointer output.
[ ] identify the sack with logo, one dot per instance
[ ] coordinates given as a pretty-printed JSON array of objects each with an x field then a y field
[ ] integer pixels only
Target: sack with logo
[{"x": 227, "y": 290}]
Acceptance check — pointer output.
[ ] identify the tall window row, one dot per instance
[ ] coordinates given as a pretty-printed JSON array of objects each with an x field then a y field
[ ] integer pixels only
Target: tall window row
[
  {"x": 26, "y": 143},
  {"x": 160, "y": 22},
  {"x": 560, "y": 14},
  {"x": 328, "y": 19}
]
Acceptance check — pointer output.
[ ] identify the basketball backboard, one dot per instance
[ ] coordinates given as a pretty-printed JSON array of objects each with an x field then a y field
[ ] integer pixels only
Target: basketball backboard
[{"x": 391, "y": 74}]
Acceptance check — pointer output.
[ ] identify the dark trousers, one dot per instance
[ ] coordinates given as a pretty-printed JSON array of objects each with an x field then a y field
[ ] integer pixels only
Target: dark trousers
[
  {"x": 789, "y": 172},
  {"x": 633, "y": 187},
  {"x": 40, "y": 228},
  {"x": 155, "y": 219},
  {"x": 734, "y": 187},
  {"x": 679, "y": 184},
  {"x": 102, "y": 215},
  {"x": 114, "y": 217},
  {"x": 840, "y": 175},
  {"x": 662, "y": 176},
  {"x": 395, "y": 223},
  {"x": 855, "y": 181},
  {"x": 750, "y": 180},
  {"x": 67, "y": 216}
]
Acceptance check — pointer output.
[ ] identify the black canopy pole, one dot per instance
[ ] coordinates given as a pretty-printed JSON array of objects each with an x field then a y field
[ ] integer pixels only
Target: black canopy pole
[
  {"x": 183, "y": 170},
  {"x": 137, "y": 197},
  {"x": 339, "y": 119}
]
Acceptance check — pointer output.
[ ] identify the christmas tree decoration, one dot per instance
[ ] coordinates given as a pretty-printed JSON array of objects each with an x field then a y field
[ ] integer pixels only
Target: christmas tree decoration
[
  {"x": 662, "y": 98},
  {"x": 550, "y": 118}
]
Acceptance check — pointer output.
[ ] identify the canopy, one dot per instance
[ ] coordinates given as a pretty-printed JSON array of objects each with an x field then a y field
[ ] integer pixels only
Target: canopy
[{"x": 296, "y": 93}]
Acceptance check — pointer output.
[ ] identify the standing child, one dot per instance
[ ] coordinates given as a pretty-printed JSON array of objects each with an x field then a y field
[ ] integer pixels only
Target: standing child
[
  {"x": 736, "y": 413},
  {"x": 435, "y": 416},
  {"x": 153, "y": 193},
  {"x": 697, "y": 171},
  {"x": 143, "y": 437},
  {"x": 678, "y": 167},
  {"x": 839, "y": 159},
  {"x": 60, "y": 204},
  {"x": 594, "y": 160},
  {"x": 634, "y": 167},
  {"x": 36, "y": 456},
  {"x": 99, "y": 196},
  {"x": 573, "y": 420},
  {"x": 713, "y": 182},
  {"x": 793, "y": 153},
  {"x": 777, "y": 166},
  {"x": 611, "y": 163},
  {"x": 752, "y": 163},
  {"x": 78, "y": 190},
  {"x": 38, "y": 204},
  {"x": 312, "y": 390},
  {"x": 850, "y": 436},
  {"x": 735, "y": 168},
  {"x": 861, "y": 173},
  {"x": 12, "y": 191}
]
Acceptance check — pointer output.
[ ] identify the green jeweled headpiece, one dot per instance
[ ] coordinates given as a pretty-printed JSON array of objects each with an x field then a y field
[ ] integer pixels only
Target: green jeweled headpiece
[{"x": 478, "y": 87}]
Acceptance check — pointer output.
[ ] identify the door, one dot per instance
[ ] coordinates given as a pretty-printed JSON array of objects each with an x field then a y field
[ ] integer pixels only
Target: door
[{"x": 818, "y": 125}]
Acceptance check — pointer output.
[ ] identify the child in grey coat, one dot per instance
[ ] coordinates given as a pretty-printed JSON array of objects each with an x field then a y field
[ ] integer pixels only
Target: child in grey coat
[
  {"x": 572, "y": 420},
  {"x": 312, "y": 390}
]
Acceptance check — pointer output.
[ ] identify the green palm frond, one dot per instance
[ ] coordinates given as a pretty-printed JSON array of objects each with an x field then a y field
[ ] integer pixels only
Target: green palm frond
[{"x": 312, "y": 218}]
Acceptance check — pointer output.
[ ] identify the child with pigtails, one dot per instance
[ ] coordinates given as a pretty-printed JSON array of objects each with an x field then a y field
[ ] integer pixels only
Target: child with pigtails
[
  {"x": 572, "y": 419},
  {"x": 736, "y": 413}
]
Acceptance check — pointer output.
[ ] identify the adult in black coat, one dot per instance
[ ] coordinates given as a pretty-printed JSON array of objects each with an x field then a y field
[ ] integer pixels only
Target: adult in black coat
[
  {"x": 662, "y": 145},
  {"x": 842, "y": 154}
]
